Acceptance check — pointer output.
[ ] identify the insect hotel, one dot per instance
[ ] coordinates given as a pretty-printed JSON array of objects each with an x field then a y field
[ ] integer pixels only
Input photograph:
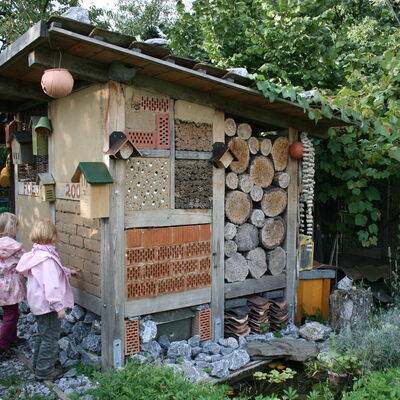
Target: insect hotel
[{"x": 174, "y": 187}]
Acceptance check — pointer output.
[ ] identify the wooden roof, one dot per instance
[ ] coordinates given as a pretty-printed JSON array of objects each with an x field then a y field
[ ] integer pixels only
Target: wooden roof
[{"x": 88, "y": 52}]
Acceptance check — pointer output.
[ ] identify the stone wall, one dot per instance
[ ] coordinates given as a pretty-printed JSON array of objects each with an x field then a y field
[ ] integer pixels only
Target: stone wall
[{"x": 78, "y": 244}]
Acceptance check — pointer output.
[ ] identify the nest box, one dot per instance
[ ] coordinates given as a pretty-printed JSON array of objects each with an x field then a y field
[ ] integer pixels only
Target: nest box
[
  {"x": 47, "y": 186},
  {"x": 120, "y": 147},
  {"x": 39, "y": 142},
  {"x": 94, "y": 179},
  {"x": 221, "y": 155},
  {"x": 22, "y": 148}
]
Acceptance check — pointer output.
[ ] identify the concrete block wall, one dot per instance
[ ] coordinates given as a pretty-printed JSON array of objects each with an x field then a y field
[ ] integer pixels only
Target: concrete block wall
[{"x": 79, "y": 245}]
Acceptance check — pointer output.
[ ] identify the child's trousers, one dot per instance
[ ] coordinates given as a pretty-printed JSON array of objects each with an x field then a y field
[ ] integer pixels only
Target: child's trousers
[
  {"x": 45, "y": 353},
  {"x": 8, "y": 330}
]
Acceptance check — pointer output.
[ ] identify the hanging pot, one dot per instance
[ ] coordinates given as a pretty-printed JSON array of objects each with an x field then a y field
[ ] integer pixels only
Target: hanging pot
[
  {"x": 57, "y": 82},
  {"x": 296, "y": 150}
]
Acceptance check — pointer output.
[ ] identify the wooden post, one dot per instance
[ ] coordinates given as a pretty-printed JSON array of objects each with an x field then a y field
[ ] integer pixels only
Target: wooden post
[
  {"x": 217, "y": 291},
  {"x": 113, "y": 241},
  {"x": 292, "y": 229}
]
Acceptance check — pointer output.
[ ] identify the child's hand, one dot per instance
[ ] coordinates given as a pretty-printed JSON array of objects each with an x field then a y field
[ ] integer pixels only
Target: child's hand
[
  {"x": 61, "y": 314},
  {"x": 76, "y": 273}
]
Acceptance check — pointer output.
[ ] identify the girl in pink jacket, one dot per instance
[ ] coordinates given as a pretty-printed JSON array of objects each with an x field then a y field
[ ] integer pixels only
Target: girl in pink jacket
[
  {"x": 12, "y": 288},
  {"x": 49, "y": 294}
]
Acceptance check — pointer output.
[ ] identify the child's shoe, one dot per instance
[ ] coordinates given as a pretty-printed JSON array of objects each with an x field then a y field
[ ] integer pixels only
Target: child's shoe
[{"x": 50, "y": 377}]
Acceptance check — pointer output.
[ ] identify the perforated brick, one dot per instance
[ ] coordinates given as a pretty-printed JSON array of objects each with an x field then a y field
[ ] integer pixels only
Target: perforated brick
[
  {"x": 171, "y": 285},
  {"x": 132, "y": 274},
  {"x": 163, "y": 132},
  {"x": 198, "y": 249},
  {"x": 202, "y": 324},
  {"x": 159, "y": 270},
  {"x": 132, "y": 337},
  {"x": 171, "y": 252},
  {"x": 184, "y": 267},
  {"x": 135, "y": 256},
  {"x": 154, "y": 104},
  {"x": 205, "y": 264},
  {"x": 198, "y": 280},
  {"x": 142, "y": 140},
  {"x": 142, "y": 289}
]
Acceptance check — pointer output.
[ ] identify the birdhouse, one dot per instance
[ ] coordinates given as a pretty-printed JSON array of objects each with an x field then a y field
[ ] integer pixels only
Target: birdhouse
[
  {"x": 94, "y": 179},
  {"x": 47, "y": 186},
  {"x": 121, "y": 147},
  {"x": 39, "y": 142},
  {"x": 22, "y": 148},
  {"x": 221, "y": 155}
]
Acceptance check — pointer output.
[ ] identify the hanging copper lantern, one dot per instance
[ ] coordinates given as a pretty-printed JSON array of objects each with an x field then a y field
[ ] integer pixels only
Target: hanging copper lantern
[{"x": 57, "y": 82}]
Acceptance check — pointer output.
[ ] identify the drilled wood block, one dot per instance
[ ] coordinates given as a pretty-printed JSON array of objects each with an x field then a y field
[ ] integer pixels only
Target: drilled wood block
[{"x": 147, "y": 184}]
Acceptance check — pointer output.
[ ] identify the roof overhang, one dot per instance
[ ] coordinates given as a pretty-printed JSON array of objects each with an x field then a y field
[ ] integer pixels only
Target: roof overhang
[{"x": 89, "y": 57}]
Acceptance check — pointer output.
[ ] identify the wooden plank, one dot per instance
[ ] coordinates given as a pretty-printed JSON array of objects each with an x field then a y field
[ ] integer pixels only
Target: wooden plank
[
  {"x": 155, "y": 153},
  {"x": 291, "y": 241},
  {"x": 115, "y": 38},
  {"x": 318, "y": 274},
  {"x": 113, "y": 240},
  {"x": 19, "y": 88},
  {"x": 167, "y": 302},
  {"x": 78, "y": 66},
  {"x": 274, "y": 294},
  {"x": 88, "y": 301},
  {"x": 193, "y": 155},
  {"x": 70, "y": 24},
  {"x": 251, "y": 286},
  {"x": 31, "y": 38},
  {"x": 150, "y": 218},
  {"x": 218, "y": 219}
]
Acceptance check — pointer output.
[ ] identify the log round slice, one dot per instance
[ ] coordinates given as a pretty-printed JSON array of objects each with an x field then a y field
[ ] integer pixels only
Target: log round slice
[
  {"x": 281, "y": 179},
  {"x": 274, "y": 201},
  {"x": 238, "y": 207},
  {"x": 254, "y": 145},
  {"x": 229, "y": 231},
  {"x": 241, "y": 151},
  {"x": 230, "y": 248},
  {"x": 257, "y": 193},
  {"x": 236, "y": 268},
  {"x": 231, "y": 180},
  {"x": 230, "y": 127},
  {"x": 280, "y": 153},
  {"x": 246, "y": 183},
  {"x": 262, "y": 171},
  {"x": 276, "y": 261},
  {"x": 247, "y": 237},
  {"x": 257, "y": 262},
  {"x": 273, "y": 232},
  {"x": 257, "y": 218},
  {"x": 244, "y": 130},
  {"x": 265, "y": 147}
]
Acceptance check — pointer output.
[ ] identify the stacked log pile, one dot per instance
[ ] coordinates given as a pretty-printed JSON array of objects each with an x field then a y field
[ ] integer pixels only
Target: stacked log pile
[{"x": 255, "y": 203}]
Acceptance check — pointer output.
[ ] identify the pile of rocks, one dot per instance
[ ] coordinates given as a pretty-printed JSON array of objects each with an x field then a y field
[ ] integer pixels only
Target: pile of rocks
[
  {"x": 216, "y": 360},
  {"x": 80, "y": 339}
]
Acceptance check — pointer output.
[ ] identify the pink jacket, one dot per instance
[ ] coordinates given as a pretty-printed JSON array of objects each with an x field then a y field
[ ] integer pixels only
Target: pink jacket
[
  {"x": 12, "y": 287},
  {"x": 48, "y": 281}
]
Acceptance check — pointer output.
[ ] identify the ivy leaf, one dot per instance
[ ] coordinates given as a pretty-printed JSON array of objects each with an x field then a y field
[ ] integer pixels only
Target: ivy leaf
[
  {"x": 372, "y": 193},
  {"x": 360, "y": 220}
]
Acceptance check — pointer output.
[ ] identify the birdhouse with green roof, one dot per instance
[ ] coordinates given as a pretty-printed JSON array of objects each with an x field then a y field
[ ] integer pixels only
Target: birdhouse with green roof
[
  {"x": 47, "y": 186},
  {"x": 94, "y": 179},
  {"x": 39, "y": 142}
]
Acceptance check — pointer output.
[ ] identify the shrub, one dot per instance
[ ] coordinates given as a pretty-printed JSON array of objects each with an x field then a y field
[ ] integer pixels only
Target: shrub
[
  {"x": 375, "y": 343},
  {"x": 152, "y": 382},
  {"x": 383, "y": 385}
]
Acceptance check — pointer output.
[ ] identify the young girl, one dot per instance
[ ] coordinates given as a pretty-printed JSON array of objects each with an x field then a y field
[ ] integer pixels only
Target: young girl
[
  {"x": 49, "y": 294},
  {"x": 12, "y": 288}
]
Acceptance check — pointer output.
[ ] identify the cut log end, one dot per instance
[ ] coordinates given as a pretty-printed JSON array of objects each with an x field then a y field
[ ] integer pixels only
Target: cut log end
[
  {"x": 262, "y": 171},
  {"x": 281, "y": 179},
  {"x": 244, "y": 130},
  {"x": 265, "y": 147},
  {"x": 254, "y": 145},
  {"x": 230, "y": 127},
  {"x": 273, "y": 233},
  {"x": 236, "y": 268},
  {"x": 280, "y": 153},
  {"x": 231, "y": 180},
  {"x": 276, "y": 260},
  {"x": 256, "y": 193},
  {"x": 241, "y": 151},
  {"x": 238, "y": 207},
  {"x": 257, "y": 262},
  {"x": 229, "y": 231},
  {"x": 246, "y": 183},
  {"x": 274, "y": 201}
]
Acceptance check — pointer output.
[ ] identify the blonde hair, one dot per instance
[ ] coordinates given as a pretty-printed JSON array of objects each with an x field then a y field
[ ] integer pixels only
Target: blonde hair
[
  {"x": 43, "y": 232},
  {"x": 8, "y": 224}
]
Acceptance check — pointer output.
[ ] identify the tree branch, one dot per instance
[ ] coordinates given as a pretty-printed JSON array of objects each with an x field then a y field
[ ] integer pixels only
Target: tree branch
[{"x": 390, "y": 5}]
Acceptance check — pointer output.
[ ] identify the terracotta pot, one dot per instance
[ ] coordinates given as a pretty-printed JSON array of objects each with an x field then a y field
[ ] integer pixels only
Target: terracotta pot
[
  {"x": 296, "y": 150},
  {"x": 57, "y": 82}
]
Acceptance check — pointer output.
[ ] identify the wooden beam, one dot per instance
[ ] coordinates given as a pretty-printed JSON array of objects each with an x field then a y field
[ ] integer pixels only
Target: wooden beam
[
  {"x": 8, "y": 107},
  {"x": 167, "y": 302},
  {"x": 292, "y": 228},
  {"x": 18, "y": 88},
  {"x": 146, "y": 219},
  {"x": 218, "y": 218},
  {"x": 30, "y": 39},
  {"x": 113, "y": 243},
  {"x": 318, "y": 274},
  {"x": 251, "y": 286},
  {"x": 193, "y": 155},
  {"x": 80, "y": 67},
  {"x": 88, "y": 301}
]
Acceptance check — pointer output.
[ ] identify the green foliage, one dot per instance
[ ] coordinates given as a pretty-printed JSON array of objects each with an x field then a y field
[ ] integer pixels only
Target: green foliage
[
  {"x": 275, "y": 376},
  {"x": 315, "y": 316},
  {"x": 374, "y": 343},
  {"x": 150, "y": 382},
  {"x": 383, "y": 385}
]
